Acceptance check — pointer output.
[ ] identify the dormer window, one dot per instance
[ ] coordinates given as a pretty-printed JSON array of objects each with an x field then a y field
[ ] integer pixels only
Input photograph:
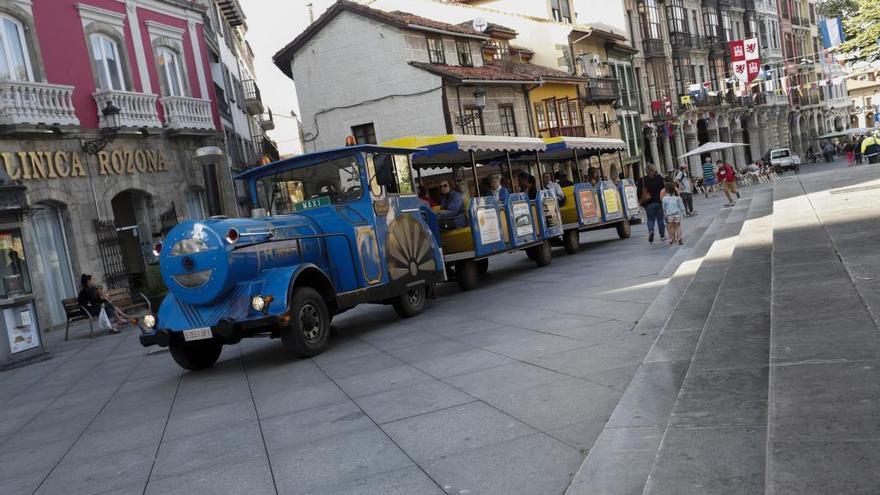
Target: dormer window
[
  {"x": 465, "y": 58},
  {"x": 15, "y": 64},
  {"x": 436, "y": 55},
  {"x": 561, "y": 11}
]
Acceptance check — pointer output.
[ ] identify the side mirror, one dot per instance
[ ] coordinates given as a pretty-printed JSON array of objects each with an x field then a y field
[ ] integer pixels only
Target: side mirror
[{"x": 385, "y": 170}]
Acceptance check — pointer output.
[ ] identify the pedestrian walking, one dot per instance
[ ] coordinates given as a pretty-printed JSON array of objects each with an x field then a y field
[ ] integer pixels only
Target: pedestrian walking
[
  {"x": 673, "y": 209},
  {"x": 871, "y": 148},
  {"x": 828, "y": 150},
  {"x": 849, "y": 149},
  {"x": 686, "y": 189},
  {"x": 858, "y": 149},
  {"x": 708, "y": 177},
  {"x": 650, "y": 200},
  {"x": 727, "y": 178}
]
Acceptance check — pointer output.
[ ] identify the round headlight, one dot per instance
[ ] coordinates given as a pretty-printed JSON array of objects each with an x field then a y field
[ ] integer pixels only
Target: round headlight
[
  {"x": 258, "y": 303},
  {"x": 149, "y": 320}
]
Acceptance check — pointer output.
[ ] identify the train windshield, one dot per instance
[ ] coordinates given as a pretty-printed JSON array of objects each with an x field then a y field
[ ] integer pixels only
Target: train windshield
[{"x": 322, "y": 184}]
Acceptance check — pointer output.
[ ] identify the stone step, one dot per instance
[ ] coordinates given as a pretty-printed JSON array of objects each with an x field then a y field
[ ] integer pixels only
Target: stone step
[
  {"x": 623, "y": 455},
  {"x": 823, "y": 428},
  {"x": 715, "y": 437}
]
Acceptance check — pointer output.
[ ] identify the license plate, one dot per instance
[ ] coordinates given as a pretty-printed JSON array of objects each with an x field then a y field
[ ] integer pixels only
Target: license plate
[{"x": 197, "y": 334}]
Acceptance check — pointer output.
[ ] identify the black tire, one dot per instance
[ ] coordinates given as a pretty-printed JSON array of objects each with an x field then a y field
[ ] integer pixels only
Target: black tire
[
  {"x": 530, "y": 252},
  {"x": 543, "y": 254},
  {"x": 623, "y": 229},
  {"x": 483, "y": 266},
  {"x": 197, "y": 355},
  {"x": 410, "y": 303},
  {"x": 466, "y": 274},
  {"x": 571, "y": 241},
  {"x": 309, "y": 329}
]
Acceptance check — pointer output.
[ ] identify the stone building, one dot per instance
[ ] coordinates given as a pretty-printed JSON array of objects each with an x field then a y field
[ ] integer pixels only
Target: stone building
[
  {"x": 395, "y": 74},
  {"x": 105, "y": 104}
]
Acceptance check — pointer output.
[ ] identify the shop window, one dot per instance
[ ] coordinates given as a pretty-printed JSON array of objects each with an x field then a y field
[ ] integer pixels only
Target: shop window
[
  {"x": 436, "y": 55},
  {"x": 14, "y": 278},
  {"x": 364, "y": 133},
  {"x": 464, "y": 53},
  {"x": 508, "y": 120},
  {"x": 108, "y": 63},
  {"x": 170, "y": 71},
  {"x": 15, "y": 63}
]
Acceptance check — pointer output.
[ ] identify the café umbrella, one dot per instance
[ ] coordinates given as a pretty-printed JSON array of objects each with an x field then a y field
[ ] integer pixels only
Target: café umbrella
[{"x": 710, "y": 147}]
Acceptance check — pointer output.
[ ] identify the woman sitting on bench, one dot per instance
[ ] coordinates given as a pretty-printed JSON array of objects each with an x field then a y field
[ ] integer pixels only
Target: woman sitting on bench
[{"x": 91, "y": 299}]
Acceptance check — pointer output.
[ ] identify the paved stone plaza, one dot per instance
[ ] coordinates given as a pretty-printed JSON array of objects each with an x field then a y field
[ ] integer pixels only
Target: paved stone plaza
[{"x": 601, "y": 373}]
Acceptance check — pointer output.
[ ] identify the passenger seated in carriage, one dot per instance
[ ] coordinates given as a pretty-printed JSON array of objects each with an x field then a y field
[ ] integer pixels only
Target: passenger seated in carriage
[{"x": 451, "y": 215}]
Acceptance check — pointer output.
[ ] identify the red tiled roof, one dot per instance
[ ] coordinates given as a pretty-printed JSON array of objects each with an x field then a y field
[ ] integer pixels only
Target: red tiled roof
[
  {"x": 403, "y": 20},
  {"x": 517, "y": 72}
]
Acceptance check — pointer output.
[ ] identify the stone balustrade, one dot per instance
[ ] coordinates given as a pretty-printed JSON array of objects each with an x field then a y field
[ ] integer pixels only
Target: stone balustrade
[
  {"x": 136, "y": 109},
  {"x": 187, "y": 113},
  {"x": 23, "y": 102}
]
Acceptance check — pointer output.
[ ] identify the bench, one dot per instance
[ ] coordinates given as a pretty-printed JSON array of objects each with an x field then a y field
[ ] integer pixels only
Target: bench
[
  {"x": 122, "y": 299},
  {"x": 75, "y": 312}
]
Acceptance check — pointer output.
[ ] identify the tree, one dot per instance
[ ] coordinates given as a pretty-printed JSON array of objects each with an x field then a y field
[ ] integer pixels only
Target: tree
[
  {"x": 838, "y": 8},
  {"x": 862, "y": 30}
]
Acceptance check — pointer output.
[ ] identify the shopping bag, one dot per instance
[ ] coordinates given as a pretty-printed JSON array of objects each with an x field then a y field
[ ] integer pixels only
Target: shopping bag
[{"x": 104, "y": 320}]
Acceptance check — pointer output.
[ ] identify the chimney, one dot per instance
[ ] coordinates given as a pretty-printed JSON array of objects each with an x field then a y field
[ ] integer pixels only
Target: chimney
[{"x": 311, "y": 12}]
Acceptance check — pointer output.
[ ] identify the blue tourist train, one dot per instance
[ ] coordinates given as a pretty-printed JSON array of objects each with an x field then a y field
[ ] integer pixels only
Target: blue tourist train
[{"x": 330, "y": 230}]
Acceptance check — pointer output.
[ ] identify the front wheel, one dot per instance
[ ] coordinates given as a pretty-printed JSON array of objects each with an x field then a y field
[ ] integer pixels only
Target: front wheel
[
  {"x": 309, "y": 329},
  {"x": 410, "y": 303},
  {"x": 195, "y": 356},
  {"x": 571, "y": 240},
  {"x": 542, "y": 253},
  {"x": 623, "y": 229},
  {"x": 483, "y": 266}
]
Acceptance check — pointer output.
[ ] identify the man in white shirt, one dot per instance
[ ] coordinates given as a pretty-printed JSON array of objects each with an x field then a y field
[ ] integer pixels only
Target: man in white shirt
[
  {"x": 685, "y": 189},
  {"x": 553, "y": 186}
]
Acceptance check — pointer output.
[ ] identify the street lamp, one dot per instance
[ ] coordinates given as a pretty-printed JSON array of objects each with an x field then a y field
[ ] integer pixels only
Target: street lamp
[
  {"x": 112, "y": 124},
  {"x": 480, "y": 103}
]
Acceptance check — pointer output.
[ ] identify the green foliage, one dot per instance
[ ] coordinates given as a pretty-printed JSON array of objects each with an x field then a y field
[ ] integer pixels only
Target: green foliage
[
  {"x": 838, "y": 8},
  {"x": 862, "y": 30}
]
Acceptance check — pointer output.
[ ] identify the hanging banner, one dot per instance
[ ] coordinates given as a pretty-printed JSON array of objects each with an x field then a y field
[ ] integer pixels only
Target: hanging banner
[{"x": 745, "y": 59}]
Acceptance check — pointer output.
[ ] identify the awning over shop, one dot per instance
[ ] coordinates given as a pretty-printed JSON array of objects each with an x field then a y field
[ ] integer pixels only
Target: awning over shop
[
  {"x": 457, "y": 148},
  {"x": 561, "y": 148},
  {"x": 847, "y": 132},
  {"x": 710, "y": 147}
]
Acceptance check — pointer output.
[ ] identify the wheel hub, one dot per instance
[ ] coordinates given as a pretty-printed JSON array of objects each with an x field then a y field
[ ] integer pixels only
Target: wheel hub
[
  {"x": 310, "y": 322},
  {"x": 415, "y": 297}
]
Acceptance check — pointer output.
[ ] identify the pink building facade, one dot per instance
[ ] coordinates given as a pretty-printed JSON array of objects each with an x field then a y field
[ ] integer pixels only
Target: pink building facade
[{"x": 100, "y": 191}]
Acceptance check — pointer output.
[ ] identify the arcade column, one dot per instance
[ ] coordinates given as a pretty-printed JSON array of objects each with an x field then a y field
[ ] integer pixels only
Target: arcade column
[
  {"x": 667, "y": 152},
  {"x": 714, "y": 135},
  {"x": 652, "y": 142},
  {"x": 756, "y": 137},
  {"x": 739, "y": 153},
  {"x": 692, "y": 144}
]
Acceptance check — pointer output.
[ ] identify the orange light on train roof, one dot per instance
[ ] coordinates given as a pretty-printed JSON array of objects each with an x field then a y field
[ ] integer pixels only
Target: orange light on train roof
[{"x": 350, "y": 141}]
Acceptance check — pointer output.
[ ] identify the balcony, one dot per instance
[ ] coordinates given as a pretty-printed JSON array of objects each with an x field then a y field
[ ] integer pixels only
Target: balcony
[
  {"x": 653, "y": 48},
  {"x": 253, "y": 104},
  {"x": 136, "y": 109},
  {"x": 31, "y": 103},
  {"x": 702, "y": 101},
  {"x": 839, "y": 102},
  {"x": 737, "y": 4},
  {"x": 573, "y": 131},
  {"x": 266, "y": 148},
  {"x": 601, "y": 90},
  {"x": 684, "y": 42},
  {"x": 267, "y": 121},
  {"x": 187, "y": 114}
]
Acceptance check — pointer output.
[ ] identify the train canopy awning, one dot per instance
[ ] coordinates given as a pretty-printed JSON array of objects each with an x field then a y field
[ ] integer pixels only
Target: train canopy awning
[
  {"x": 454, "y": 149},
  {"x": 561, "y": 148}
]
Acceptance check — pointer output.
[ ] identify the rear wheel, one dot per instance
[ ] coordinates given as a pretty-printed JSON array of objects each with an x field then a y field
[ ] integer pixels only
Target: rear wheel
[
  {"x": 410, "y": 303},
  {"x": 309, "y": 329},
  {"x": 195, "y": 355},
  {"x": 623, "y": 229},
  {"x": 571, "y": 240},
  {"x": 466, "y": 274},
  {"x": 543, "y": 254}
]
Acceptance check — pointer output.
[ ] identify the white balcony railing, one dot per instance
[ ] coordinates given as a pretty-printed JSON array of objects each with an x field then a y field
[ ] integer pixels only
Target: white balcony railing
[
  {"x": 776, "y": 99},
  {"x": 36, "y": 103},
  {"x": 839, "y": 102},
  {"x": 136, "y": 109},
  {"x": 187, "y": 113}
]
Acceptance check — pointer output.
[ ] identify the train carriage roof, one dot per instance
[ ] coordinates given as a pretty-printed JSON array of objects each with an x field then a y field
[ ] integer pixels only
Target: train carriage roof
[
  {"x": 453, "y": 149},
  {"x": 560, "y": 148}
]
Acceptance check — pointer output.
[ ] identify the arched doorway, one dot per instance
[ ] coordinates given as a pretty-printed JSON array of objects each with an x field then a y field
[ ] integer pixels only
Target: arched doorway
[
  {"x": 743, "y": 122},
  {"x": 52, "y": 259},
  {"x": 132, "y": 215}
]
